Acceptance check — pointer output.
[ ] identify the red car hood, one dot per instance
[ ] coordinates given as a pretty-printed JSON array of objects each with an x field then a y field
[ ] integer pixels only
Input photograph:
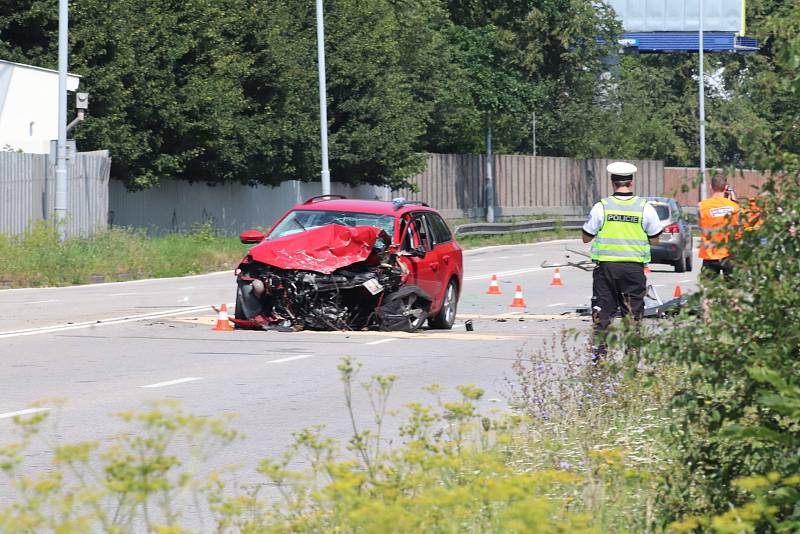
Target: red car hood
[{"x": 323, "y": 249}]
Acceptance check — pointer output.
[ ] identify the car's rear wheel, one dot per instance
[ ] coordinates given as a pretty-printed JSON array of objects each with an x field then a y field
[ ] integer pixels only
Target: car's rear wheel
[
  {"x": 680, "y": 264},
  {"x": 447, "y": 314},
  {"x": 689, "y": 263}
]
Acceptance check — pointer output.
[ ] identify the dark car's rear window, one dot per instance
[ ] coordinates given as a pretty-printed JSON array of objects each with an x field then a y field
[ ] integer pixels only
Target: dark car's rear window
[{"x": 662, "y": 210}]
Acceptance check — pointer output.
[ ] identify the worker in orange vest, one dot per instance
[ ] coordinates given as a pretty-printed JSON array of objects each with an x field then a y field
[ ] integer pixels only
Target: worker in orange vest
[{"x": 719, "y": 217}]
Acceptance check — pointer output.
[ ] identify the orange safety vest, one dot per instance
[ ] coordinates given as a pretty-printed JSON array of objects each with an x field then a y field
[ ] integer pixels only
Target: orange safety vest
[{"x": 717, "y": 213}]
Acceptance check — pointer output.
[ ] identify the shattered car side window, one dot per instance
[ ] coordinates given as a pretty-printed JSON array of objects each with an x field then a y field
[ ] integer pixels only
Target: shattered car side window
[{"x": 302, "y": 220}]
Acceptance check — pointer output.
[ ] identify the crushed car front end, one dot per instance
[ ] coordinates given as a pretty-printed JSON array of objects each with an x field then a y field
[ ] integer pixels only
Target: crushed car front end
[{"x": 330, "y": 278}]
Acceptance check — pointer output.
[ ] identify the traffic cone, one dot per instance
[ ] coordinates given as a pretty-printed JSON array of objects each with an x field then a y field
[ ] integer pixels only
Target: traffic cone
[
  {"x": 647, "y": 268},
  {"x": 494, "y": 287},
  {"x": 518, "y": 301},
  {"x": 556, "y": 281},
  {"x": 223, "y": 324},
  {"x": 678, "y": 294}
]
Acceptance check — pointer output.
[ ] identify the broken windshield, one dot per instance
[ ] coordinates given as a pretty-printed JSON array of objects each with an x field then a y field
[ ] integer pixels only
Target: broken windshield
[{"x": 302, "y": 220}]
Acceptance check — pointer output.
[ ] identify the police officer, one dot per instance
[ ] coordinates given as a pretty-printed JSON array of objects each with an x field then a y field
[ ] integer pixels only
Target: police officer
[{"x": 621, "y": 228}]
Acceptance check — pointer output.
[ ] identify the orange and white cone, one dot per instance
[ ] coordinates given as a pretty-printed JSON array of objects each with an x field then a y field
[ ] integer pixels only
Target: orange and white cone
[
  {"x": 678, "y": 293},
  {"x": 223, "y": 323},
  {"x": 518, "y": 301},
  {"x": 556, "y": 281},
  {"x": 494, "y": 287},
  {"x": 647, "y": 268}
]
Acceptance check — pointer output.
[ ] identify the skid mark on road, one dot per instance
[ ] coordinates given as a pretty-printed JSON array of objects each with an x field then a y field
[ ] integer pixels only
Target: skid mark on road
[
  {"x": 29, "y": 411},
  {"x": 99, "y": 322},
  {"x": 173, "y": 382}
]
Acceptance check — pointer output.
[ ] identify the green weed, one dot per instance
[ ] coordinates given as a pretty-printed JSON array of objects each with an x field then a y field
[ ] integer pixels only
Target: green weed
[{"x": 37, "y": 258}]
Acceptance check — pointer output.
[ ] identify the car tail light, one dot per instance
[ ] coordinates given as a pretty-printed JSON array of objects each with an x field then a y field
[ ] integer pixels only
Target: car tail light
[{"x": 673, "y": 228}]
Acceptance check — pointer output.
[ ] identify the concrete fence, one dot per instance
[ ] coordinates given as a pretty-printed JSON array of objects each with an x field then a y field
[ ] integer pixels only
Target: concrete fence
[
  {"x": 454, "y": 184},
  {"x": 177, "y": 205},
  {"x": 27, "y": 192}
]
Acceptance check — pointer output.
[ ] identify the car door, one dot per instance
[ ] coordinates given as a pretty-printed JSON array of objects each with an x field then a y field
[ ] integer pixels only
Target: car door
[{"x": 423, "y": 270}]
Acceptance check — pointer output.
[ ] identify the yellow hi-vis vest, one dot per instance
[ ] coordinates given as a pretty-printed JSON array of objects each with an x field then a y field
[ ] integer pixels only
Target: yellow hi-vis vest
[{"x": 622, "y": 237}]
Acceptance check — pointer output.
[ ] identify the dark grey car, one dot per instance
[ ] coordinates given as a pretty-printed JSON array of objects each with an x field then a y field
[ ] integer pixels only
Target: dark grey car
[{"x": 675, "y": 244}]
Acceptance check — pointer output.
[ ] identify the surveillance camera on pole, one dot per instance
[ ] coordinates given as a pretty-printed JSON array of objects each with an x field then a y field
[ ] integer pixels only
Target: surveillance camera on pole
[{"x": 81, "y": 104}]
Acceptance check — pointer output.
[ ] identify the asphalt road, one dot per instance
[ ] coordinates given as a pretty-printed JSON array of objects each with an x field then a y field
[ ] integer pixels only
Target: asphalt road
[{"x": 110, "y": 347}]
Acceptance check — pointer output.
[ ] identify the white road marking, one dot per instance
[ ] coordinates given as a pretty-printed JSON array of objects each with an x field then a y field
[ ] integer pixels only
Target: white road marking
[
  {"x": 291, "y": 358},
  {"x": 556, "y": 304},
  {"x": 686, "y": 281},
  {"x": 381, "y": 341},
  {"x": 186, "y": 288},
  {"x": 122, "y": 294},
  {"x": 657, "y": 285},
  {"x": 503, "y": 273},
  {"x": 477, "y": 260},
  {"x": 100, "y": 322},
  {"x": 503, "y": 257},
  {"x": 42, "y": 301},
  {"x": 127, "y": 282},
  {"x": 29, "y": 411},
  {"x": 173, "y": 382}
]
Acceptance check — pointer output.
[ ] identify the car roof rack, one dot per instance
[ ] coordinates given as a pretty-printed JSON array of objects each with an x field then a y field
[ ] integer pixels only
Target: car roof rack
[
  {"x": 400, "y": 202},
  {"x": 322, "y": 198}
]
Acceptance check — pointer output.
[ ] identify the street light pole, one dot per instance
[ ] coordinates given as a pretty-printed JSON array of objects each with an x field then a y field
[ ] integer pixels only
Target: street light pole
[
  {"x": 702, "y": 90},
  {"x": 61, "y": 145},
  {"x": 323, "y": 101}
]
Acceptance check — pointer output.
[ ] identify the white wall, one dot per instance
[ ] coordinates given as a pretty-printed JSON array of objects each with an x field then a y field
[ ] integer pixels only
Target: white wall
[{"x": 29, "y": 106}]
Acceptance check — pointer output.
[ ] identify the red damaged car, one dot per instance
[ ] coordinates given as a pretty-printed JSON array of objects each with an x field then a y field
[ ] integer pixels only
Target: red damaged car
[{"x": 334, "y": 263}]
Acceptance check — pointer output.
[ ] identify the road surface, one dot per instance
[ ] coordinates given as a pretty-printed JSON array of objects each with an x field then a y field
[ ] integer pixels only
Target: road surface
[{"x": 110, "y": 347}]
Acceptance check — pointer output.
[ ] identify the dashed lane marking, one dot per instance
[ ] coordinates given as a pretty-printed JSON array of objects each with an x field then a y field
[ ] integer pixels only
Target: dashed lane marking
[
  {"x": 685, "y": 281},
  {"x": 29, "y": 411},
  {"x": 503, "y": 274},
  {"x": 380, "y": 341},
  {"x": 173, "y": 382},
  {"x": 43, "y": 301},
  {"x": 291, "y": 358},
  {"x": 122, "y": 294},
  {"x": 556, "y": 305}
]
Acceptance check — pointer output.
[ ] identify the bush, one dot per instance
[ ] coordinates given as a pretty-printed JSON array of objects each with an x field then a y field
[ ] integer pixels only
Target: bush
[{"x": 456, "y": 471}]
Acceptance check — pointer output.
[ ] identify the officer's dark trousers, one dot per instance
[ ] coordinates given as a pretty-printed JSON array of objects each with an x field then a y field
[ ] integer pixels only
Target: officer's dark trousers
[{"x": 617, "y": 286}]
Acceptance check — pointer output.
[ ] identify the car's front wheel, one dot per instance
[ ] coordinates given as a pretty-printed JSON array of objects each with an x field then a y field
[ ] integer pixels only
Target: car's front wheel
[{"x": 447, "y": 314}]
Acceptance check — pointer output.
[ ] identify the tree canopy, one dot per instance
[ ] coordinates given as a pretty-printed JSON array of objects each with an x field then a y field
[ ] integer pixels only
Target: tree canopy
[{"x": 226, "y": 90}]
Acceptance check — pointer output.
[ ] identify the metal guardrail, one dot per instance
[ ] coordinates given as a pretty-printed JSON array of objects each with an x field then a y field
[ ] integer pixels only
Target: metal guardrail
[{"x": 569, "y": 223}]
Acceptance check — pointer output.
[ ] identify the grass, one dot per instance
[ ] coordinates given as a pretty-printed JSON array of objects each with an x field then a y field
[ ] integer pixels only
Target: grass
[{"x": 38, "y": 259}]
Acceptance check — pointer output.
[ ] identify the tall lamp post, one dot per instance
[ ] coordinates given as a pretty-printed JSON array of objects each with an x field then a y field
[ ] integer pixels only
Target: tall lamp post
[
  {"x": 61, "y": 146},
  {"x": 323, "y": 100},
  {"x": 701, "y": 84}
]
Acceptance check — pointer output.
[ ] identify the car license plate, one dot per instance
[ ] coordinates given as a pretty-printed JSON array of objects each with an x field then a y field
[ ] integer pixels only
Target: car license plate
[
  {"x": 373, "y": 286},
  {"x": 666, "y": 237}
]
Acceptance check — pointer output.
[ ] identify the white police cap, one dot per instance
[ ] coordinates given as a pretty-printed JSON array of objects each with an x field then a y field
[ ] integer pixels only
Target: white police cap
[{"x": 621, "y": 168}]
